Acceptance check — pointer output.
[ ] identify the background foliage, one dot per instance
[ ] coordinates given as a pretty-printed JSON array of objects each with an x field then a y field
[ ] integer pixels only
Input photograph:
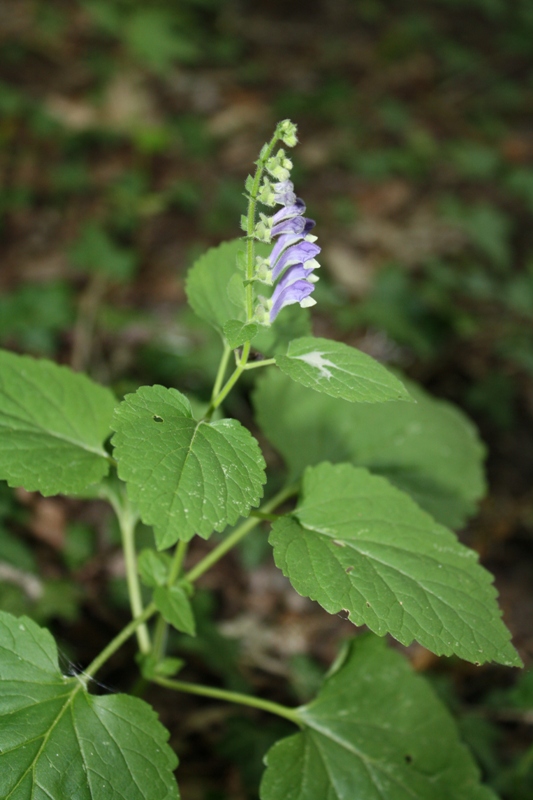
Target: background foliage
[{"x": 126, "y": 134}]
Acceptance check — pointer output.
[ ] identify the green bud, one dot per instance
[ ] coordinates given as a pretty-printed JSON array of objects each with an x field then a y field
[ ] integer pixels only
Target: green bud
[{"x": 287, "y": 133}]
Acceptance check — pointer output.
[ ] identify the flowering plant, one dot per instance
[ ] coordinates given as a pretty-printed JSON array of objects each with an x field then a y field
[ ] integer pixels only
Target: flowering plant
[{"x": 377, "y": 474}]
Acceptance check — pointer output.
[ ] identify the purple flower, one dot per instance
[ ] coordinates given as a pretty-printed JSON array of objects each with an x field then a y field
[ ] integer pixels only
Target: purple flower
[
  {"x": 298, "y": 253},
  {"x": 283, "y": 242},
  {"x": 292, "y": 225},
  {"x": 294, "y": 287},
  {"x": 294, "y": 210},
  {"x": 284, "y": 193},
  {"x": 292, "y": 259}
]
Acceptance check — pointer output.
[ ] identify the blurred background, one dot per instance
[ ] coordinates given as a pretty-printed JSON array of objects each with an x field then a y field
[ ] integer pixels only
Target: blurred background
[{"x": 127, "y": 130}]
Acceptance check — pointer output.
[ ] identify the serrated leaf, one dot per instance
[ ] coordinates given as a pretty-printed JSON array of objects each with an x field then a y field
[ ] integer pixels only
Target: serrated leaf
[
  {"x": 53, "y": 423},
  {"x": 376, "y": 731},
  {"x": 153, "y": 567},
  {"x": 237, "y": 333},
  {"x": 175, "y": 608},
  {"x": 428, "y": 448},
  {"x": 358, "y": 543},
  {"x": 58, "y": 741},
  {"x": 340, "y": 371},
  {"x": 184, "y": 476}
]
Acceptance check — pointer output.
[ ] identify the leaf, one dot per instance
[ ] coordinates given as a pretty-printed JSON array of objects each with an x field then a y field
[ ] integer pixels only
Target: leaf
[
  {"x": 58, "y": 741},
  {"x": 207, "y": 286},
  {"x": 339, "y": 371},
  {"x": 185, "y": 476},
  {"x": 174, "y": 605},
  {"x": 152, "y": 666},
  {"x": 237, "y": 333},
  {"x": 358, "y": 543},
  {"x": 428, "y": 448},
  {"x": 215, "y": 290},
  {"x": 376, "y": 731},
  {"x": 53, "y": 423},
  {"x": 153, "y": 567}
]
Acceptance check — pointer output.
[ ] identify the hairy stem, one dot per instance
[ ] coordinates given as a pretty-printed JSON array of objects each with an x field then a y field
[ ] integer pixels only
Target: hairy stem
[
  {"x": 250, "y": 227},
  {"x": 232, "y": 697}
]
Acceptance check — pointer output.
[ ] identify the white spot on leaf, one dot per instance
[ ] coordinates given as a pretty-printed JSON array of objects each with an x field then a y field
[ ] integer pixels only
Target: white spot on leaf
[{"x": 316, "y": 360}]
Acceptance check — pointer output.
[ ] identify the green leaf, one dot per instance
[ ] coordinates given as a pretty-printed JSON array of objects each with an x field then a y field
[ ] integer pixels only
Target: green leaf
[
  {"x": 153, "y": 567},
  {"x": 339, "y": 371},
  {"x": 53, "y": 423},
  {"x": 174, "y": 605},
  {"x": 58, "y": 741},
  {"x": 428, "y": 448},
  {"x": 376, "y": 731},
  {"x": 358, "y": 543},
  {"x": 237, "y": 333},
  {"x": 185, "y": 476},
  {"x": 208, "y": 282},
  {"x": 153, "y": 667}
]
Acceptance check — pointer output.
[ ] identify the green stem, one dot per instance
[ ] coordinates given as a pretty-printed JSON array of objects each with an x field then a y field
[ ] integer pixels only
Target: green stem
[
  {"x": 161, "y": 627},
  {"x": 255, "y": 364},
  {"x": 232, "y": 697},
  {"x": 221, "y": 371},
  {"x": 179, "y": 557},
  {"x": 238, "y": 534},
  {"x": 119, "y": 640},
  {"x": 127, "y": 520},
  {"x": 252, "y": 205}
]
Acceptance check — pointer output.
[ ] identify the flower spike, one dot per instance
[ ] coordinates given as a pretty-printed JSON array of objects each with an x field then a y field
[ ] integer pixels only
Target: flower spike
[{"x": 291, "y": 264}]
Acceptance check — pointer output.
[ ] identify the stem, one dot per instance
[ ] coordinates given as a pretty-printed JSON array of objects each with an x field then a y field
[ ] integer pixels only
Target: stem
[
  {"x": 252, "y": 204},
  {"x": 255, "y": 364},
  {"x": 219, "y": 394},
  {"x": 119, "y": 640},
  {"x": 177, "y": 563},
  {"x": 127, "y": 520},
  {"x": 238, "y": 534},
  {"x": 221, "y": 371},
  {"x": 161, "y": 627},
  {"x": 232, "y": 697}
]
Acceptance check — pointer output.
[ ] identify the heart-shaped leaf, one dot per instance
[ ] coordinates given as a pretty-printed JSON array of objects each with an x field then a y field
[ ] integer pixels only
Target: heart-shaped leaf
[{"x": 185, "y": 476}]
